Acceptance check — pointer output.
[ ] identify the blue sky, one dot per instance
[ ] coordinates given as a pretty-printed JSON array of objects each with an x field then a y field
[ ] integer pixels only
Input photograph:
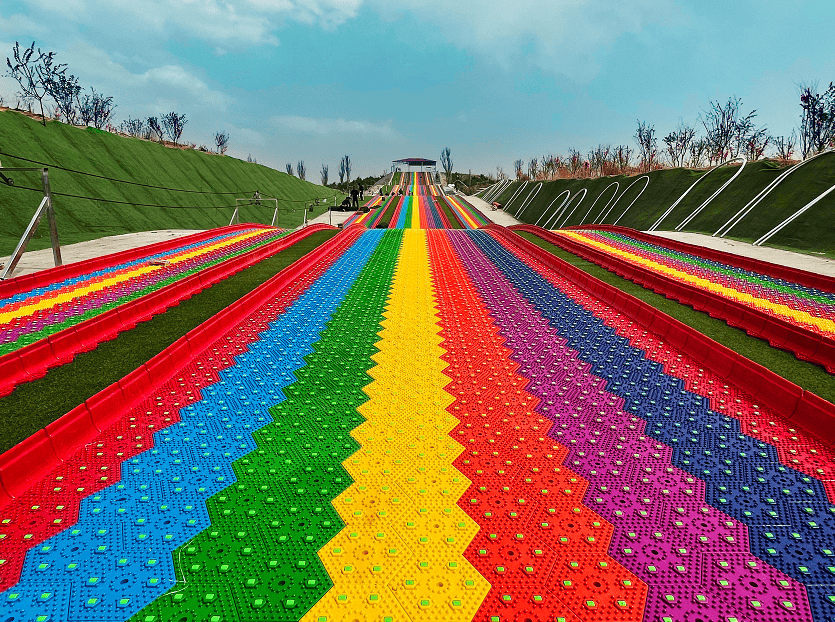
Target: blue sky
[{"x": 494, "y": 80}]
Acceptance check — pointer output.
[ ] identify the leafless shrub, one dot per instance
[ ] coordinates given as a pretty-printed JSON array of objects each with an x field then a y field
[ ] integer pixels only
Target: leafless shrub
[
  {"x": 222, "y": 141},
  {"x": 133, "y": 127},
  {"x": 677, "y": 144},
  {"x": 173, "y": 124},
  {"x": 817, "y": 119},
  {"x": 153, "y": 129},
  {"x": 785, "y": 146},
  {"x": 647, "y": 145}
]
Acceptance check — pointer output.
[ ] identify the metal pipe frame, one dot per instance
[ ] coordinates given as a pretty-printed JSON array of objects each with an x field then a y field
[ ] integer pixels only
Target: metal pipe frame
[
  {"x": 515, "y": 194},
  {"x": 698, "y": 210},
  {"x": 791, "y": 218},
  {"x": 47, "y": 206},
  {"x": 622, "y": 194},
  {"x": 741, "y": 214},
  {"x": 568, "y": 192},
  {"x": 583, "y": 220},
  {"x": 582, "y": 194},
  {"x": 527, "y": 202}
]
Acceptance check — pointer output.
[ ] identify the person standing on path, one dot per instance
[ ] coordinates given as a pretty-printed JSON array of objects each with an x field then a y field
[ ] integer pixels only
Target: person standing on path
[
  {"x": 362, "y": 193},
  {"x": 355, "y": 197}
]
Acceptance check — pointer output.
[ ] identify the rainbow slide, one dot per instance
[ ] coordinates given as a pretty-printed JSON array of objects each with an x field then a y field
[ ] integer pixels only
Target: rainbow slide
[{"x": 416, "y": 424}]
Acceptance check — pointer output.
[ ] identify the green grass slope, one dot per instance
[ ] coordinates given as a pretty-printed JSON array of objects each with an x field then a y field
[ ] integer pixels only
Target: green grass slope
[
  {"x": 136, "y": 160},
  {"x": 814, "y": 231}
]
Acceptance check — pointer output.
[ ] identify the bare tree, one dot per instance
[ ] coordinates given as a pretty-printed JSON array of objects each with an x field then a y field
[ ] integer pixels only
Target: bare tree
[
  {"x": 301, "y": 170},
  {"x": 500, "y": 173},
  {"x": 64, "y": 90},
  {"x": 817, "y": 119},
  {"x": 347, "y": 161},
  {"x": 341, "y": 170},
  {"x": 698, "y": 149},
  {"x": 756, "y": 144},
  {"x": 133, "y": 127},
  {"x": 785, "y": 146},
  {"x": 517, "y": 166},
  {"x": 622, "y": 157},
  {"x": 33, "y": 72},
  {"x": 153, "y": 129},
  {"x": 575, "y": 162},
  {"x": 726, "y": 129},
  {"x": 678, "y": 144},
  {"x": 533, "y": 168},
  {"x": 647, "y": 144},
  {"x": 173, "y": 125},
  {"x": 324, "y": 175},
  {"x": 96, "y": 109},
  {"x": 597, "y": 158},
  {"x": 222, "y": 141},
  {"x": 446, "y": 162},
  {"x": 289, "y": 168},
  {"x": 548, "y": 166}
]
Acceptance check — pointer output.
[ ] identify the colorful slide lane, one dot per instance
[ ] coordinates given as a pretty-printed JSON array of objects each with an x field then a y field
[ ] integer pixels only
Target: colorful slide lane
[
  {"x": 805, "y": 307},
  {"x": 788, "y": 314},
  {"x": 431, "y": 425},
  {"x": 467, "y": 215},
  {"x": 419, "y": 208},
  {"x": 32, "y": 315}
]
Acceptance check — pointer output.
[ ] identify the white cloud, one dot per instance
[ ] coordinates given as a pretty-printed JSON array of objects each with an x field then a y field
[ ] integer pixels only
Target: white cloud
[
  {"x": 562, "y": 37},
  {"x": 166, "y": 85},
  {"x": 223, "y": 23},
  {"x": 326, "y": 127}
]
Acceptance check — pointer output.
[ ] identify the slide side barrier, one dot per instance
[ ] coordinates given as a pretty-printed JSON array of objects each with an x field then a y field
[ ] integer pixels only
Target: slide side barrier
[
  {"x": 800, "y": 406},
  {"x": 796, "y": 275},
  {"x": 804, "y": 344},
  {"x": 42, "y": 278},
  {"x": 32, "y": 362},
  {"x": 30, "y": 460}
]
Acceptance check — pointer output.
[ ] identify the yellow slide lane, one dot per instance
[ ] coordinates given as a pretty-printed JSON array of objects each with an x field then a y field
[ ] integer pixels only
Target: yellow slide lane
[{"x": 400, "y": 555}]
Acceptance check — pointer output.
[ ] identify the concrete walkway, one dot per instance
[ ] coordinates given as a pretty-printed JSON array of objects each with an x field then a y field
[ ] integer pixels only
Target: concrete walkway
[
  {"x": 496, "y": 215},
  {"x": 34, "y": 261},
  {"x": 810, "y": 263},
  {"x": 330, "y": 218}
]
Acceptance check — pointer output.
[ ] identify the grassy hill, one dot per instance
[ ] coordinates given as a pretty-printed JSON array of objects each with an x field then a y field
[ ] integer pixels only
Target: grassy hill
[
  {"x": 117, "y": 157},
  {"x": 812, "y": 232}
]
